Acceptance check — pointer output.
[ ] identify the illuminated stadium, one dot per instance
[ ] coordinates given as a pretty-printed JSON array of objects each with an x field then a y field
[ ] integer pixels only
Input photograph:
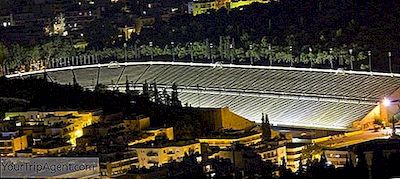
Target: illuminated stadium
[{"x": 295, "y": 97}]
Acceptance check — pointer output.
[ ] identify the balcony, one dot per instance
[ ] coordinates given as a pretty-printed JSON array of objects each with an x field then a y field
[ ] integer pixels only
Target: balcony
[
  {"x": 170, "y": 152},
  {"x": 152, "y": 154}
]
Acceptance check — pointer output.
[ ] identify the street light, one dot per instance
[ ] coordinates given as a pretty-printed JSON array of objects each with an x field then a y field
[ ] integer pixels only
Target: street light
[
  {"x": 369, "y": 61},
  {"x": 351, "y": 58},
  {"x": 136, "y": 50},
  {"x": 231, "y": 54},
  {"x": 173, "y": 51},
  {"x": 211, "y": 54},
  {"x": 151, "y": 50},
  {"x": 125, "y": 45},
  {"x": 386, "y": 102},
  {"x": 330, "y": 58},
  {"x": 291, "y": 55},
  {"x": 311, "y": 60},
  {"x": 251, "y": 54},
  {"x": 390, "y": 61},
  {"x": 270, "y": 54},
  {"x": 191, "y": 51}
]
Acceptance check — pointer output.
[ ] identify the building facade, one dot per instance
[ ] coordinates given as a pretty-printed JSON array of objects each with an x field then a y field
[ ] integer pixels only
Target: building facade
[
  {"x": 225, "y": 142},
  {"x": 151, "y": 154},
  {"x": 11, "y": 142}
]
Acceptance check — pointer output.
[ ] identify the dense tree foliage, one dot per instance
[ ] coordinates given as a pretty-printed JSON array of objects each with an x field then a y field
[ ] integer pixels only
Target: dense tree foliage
[
  {"x": 323, "y": 24},
  {"x": 38, "y": 94},
  {"x": 361, "y": 25},
  {"x": 312, "y": 33}
]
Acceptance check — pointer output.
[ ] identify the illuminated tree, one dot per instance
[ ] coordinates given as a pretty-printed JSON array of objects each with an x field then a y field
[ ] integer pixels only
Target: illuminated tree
[
  {"x": 18, "y": 56},
  {"x": 58, "y": 27}
]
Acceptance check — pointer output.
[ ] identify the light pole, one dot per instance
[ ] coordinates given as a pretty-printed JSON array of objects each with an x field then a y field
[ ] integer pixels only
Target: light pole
[
  {"x": 125, "y": 45},
  {"x": 387, "y": 102},
  {"x": 351, "y": 58},
  {"x": 191, "y": 51},
  {"x": 291, "y": 55},
  {"x": 331, "y": 57},
  {"x": 136, "y": 50},
  {"x": 251, "y": 54},
  {"x": 211, "y": 54},
  {"x": 369, "y": 61},
  {"x": 311, "y": 60},
  {"x": 390, "y": 61},
  {"x": 231, "y": 53},
  {"x": 173, "y": 51},
  {"x": 270, "y": 54},
  {"x": 151, "y": 51}
]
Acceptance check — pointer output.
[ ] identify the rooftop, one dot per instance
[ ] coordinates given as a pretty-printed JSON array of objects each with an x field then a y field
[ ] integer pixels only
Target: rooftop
[
  {"x": 50, "y": 145},
  {"x": 230, "y": 134},
  {"x": 295, "y": 145},
  {"x": 164, "y": 143},
  {"x": 268, "y": 148}
]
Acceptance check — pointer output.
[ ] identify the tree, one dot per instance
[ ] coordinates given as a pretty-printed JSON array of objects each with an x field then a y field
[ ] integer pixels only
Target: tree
[
  {"x": 174, "y": 96},
  {"x": 100, "y": 88},
  {"x": 100, "y": 33},
  {"x": 362, "y": 166},
  {"x": 53, "y": 47},
  {"x": 379, "y": 167},
  {"x": 146, "y": 92},
  {"x": 18, "y": 56},
  {"x": 35, "y": 54},
  {"x": 266, "y": 128},
  {"x": 155, "y": 94},
  {"x": 127, "y": 85},
  {"x": 3, "y": 58},
  {"x": 166, "y": 97}
]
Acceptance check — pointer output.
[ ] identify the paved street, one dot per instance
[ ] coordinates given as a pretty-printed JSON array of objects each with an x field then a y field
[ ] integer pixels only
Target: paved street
[{"x": 351, "y": 140}]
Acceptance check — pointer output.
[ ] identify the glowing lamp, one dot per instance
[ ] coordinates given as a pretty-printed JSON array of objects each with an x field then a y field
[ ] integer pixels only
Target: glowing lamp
[{"x": 386, "y": 102}]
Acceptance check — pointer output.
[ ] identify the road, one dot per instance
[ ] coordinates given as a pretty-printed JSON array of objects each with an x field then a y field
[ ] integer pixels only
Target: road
[{"x": 338, "y": 142}]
